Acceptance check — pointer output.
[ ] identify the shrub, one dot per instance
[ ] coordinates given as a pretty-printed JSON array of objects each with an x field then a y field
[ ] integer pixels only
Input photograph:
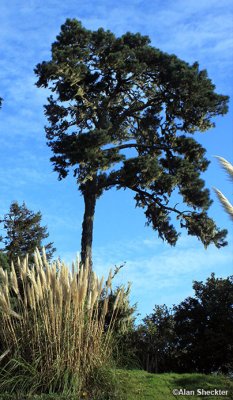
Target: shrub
[{"x": 52, "y": 332}]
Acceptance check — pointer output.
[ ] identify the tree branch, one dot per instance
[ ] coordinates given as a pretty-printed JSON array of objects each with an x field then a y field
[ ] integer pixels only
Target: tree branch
[
  {"x": 115, "y": 182},
  {"x": 143, "y": 193},
  {"x": 145, "y": 146}
]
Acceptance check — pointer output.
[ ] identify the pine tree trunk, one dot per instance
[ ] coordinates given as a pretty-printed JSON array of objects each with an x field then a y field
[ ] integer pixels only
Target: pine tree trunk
[{"x": 87, "y": 227}]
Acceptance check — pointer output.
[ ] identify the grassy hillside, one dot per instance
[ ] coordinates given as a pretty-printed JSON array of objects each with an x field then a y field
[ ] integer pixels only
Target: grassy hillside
[
  {"x": 140, "y": 385},
  {"x": 144, "y": 386}
]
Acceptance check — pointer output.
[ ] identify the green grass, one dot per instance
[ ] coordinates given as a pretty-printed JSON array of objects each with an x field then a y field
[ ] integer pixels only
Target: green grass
[
  {"x": 144, "y": 386},
  {"x": 140, "y": 385}
]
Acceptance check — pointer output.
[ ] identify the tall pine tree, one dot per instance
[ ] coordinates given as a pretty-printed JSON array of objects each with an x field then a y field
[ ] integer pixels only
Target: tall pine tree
[{"x": 114, "y": 94}]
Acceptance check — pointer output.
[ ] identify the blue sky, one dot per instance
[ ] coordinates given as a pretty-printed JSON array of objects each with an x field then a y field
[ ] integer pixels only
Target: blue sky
[{"x": 192, "y": 30}]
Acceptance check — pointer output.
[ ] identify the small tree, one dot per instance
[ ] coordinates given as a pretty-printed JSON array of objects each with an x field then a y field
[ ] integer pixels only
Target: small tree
[
  {"x": 154, "y": 341},
  {"x": 122, "y": 114},
  {"x": 23, "y": 233}
]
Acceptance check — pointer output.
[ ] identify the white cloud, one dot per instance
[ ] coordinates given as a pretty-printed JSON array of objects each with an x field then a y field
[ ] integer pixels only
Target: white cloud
[
  {"x": 165, "y": 274},
  {"x": 164, "y": 265}
]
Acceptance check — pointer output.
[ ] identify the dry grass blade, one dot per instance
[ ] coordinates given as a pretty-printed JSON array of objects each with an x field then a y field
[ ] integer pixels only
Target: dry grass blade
[{"x": 4, "y": 354}]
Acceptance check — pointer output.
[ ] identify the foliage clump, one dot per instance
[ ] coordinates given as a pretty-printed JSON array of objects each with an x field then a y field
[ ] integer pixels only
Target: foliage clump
[{"x": 23, "y": 234}]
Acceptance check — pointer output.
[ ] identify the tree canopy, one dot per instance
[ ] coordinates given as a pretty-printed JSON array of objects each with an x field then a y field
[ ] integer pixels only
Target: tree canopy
[
  {"x": 122, "y": 113},
  {"x": 23, "y": 233},
  {"x": 204, "y": 326}
]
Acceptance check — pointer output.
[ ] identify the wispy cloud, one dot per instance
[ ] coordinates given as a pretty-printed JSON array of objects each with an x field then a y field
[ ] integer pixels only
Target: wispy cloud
[{"x": 160, "y": 273}]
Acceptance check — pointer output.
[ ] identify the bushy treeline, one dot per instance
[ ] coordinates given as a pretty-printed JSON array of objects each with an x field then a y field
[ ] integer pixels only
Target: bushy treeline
[{"x": 194, "y": 336}]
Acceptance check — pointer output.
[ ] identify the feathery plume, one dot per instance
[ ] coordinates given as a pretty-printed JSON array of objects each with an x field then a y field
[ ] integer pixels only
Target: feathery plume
[
  {"x": 228, "y": 167},
  {"x": 225, "y": 202}
]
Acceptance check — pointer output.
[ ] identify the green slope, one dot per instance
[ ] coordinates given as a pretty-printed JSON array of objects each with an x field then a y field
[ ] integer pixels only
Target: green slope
[{"x": 140, "y": 385}]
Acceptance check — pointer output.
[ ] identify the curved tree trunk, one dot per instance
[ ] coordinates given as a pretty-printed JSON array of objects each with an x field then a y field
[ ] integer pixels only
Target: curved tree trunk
[{"x": 87, "y": 227}]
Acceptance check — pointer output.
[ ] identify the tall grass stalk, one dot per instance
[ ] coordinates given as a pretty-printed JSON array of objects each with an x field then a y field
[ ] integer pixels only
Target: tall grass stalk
[{"x": 51, "y": 328}]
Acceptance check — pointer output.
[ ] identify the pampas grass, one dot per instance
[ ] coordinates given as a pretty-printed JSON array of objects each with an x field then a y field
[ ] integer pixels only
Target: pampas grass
[
  {"x": 51, "y": 328},
  {"x": 225, "y": 202},
  {"x": 228, "y": 167}
]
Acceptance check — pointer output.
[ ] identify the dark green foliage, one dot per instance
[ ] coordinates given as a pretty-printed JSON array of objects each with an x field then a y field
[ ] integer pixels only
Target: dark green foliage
[
  {"x": 204, "y": 326},
  {"x": 4, "y": 262},
  {"x": 122, "y": 114},
  {"x": 124, "y": 314},
  {"x": 154, "y": 341},
  {"x": 23, "y": 233}
]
